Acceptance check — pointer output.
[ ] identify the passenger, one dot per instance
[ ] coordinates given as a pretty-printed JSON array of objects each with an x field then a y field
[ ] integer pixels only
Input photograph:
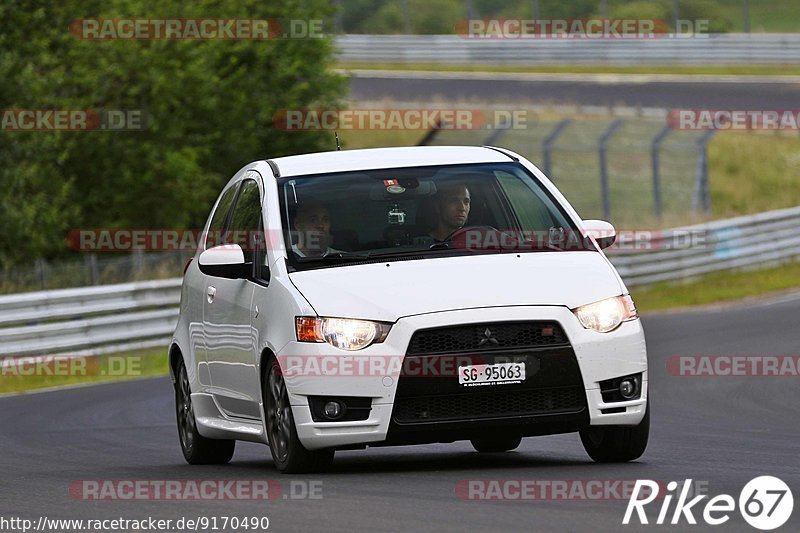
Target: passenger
[{"x": 312, "y": 224}]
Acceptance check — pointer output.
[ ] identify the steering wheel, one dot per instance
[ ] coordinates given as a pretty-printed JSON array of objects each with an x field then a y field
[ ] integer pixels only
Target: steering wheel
[{"x": 504, "y": 239}]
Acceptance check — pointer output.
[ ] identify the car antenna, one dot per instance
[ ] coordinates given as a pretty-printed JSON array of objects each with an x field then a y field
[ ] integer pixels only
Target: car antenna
[{"x": 336, "y": 134}]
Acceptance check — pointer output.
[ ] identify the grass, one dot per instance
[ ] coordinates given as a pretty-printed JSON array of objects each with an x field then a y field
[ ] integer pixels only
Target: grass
[
  {"x": 751, "y": 173},
  {"x": 717, "y": 287},
  {"x": 84, "y": 370},
  {"x": 780, "y": 16},
  {"x": 728, "y": 70}
]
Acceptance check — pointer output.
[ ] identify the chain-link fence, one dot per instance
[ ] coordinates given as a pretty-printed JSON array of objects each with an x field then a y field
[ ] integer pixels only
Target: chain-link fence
[
  {"x": 93, "y": 269},
  {"x": 634, "y": 172}
]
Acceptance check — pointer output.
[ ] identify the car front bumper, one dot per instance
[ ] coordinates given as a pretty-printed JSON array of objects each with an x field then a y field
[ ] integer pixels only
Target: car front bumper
[{"x": 322, "y": 370}]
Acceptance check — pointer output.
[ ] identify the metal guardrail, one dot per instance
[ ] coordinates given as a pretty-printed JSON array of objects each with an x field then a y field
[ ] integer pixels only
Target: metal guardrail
[
  {"x": 110, "y": 318},
  {"x": 749, "y": 241},
  {"x": 89, "y": 320},
  {"x": 716, "y": 49}
]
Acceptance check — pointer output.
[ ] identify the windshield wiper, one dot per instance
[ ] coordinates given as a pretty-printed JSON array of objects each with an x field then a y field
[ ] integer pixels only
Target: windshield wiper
[{"x": 333, "y": 257}]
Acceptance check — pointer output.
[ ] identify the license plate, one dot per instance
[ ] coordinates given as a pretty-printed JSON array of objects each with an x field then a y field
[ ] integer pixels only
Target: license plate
[{"x": 497, "y": 374}]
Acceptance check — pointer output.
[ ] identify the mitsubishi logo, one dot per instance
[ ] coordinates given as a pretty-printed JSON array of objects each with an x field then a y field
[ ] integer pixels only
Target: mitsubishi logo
[{"x": 487, "y": 337}]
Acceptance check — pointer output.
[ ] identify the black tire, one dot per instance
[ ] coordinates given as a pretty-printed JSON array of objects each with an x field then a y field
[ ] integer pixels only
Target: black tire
[
  {"x": 288, "y": 453},
  {"x": 495, "y": 444},
  {"x": 617, "y": 444},
  {"x": 197, "y": 449}
]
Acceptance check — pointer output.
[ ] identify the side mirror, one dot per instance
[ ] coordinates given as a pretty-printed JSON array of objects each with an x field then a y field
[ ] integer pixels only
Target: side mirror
[
  {"x": 225, "y": 261},
  {"x": 601, "y": 231}
]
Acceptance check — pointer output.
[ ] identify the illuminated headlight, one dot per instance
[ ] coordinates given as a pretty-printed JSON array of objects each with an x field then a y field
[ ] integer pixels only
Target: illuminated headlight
[
  {"x": 606, "y": 315},
  {"x": 344, "y": 333}
]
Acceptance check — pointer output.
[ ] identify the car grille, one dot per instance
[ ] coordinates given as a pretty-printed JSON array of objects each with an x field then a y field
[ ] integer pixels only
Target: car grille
[
  {"x": 486, "y": 337},
  {"x": 553, "y": 383},
  {"x": 496, "y": 405}
]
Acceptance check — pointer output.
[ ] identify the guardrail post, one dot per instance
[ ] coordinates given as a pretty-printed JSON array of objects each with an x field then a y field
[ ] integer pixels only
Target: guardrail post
[
  {"x": 654, "y": 155},
  {"x": 702, "y": 194},
  {"x": 602, "y": 145},
  {"x": 548, "y": 142}
]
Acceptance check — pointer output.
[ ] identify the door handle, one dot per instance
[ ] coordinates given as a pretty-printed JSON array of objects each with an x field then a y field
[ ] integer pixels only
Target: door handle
[{"x": 210, "y": 292}]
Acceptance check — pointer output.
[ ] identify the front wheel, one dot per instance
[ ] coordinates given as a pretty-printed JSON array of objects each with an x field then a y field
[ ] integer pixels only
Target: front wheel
[
  {"x": 288, "y": 453},
  {"x": 617, "y": 444},
  {"x": 197, "y": 449}
]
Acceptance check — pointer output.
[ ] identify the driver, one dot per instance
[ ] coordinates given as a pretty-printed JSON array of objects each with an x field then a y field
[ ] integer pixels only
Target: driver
[
  {"x": 312, "y": 222},
  {"x": 452, "y": 209}
]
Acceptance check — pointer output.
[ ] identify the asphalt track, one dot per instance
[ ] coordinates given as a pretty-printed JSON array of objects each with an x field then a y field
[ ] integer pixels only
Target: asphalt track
[
  {"x": 722, "y": 431},
  {"x": 736, "y": 92}
]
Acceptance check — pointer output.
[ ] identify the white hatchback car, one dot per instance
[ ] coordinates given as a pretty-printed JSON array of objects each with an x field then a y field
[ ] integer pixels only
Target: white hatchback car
[{"x": 360, "y": 298}]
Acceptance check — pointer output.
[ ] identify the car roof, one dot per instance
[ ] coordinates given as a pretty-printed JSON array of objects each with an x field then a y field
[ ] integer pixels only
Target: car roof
[{"x": 376, "y": 158}]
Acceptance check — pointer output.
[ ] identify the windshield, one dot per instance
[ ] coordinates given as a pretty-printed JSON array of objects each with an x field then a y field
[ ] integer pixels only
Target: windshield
[{"x": 421, "y": 212}]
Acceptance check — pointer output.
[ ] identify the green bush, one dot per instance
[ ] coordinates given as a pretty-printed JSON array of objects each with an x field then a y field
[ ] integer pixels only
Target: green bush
[
  {"x": 210, "y": 106},
  {"x": 693, "y": 10}
]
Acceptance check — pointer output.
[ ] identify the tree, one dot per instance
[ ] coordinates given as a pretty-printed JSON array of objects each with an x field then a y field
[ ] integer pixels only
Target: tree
[{"x": 209, "y": 106}]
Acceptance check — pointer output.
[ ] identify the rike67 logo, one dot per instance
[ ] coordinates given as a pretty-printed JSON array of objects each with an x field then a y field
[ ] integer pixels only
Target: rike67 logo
[{"x": 765, "y": 503}]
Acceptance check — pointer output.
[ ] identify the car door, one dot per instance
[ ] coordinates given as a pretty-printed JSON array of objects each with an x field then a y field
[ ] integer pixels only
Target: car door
[
  {"x": 198, "y": 282},
  {"x": 228, "y": 307}
]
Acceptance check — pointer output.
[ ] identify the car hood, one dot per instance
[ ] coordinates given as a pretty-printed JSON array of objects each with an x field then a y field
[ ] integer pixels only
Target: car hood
[{"x": 391, "y": 290}]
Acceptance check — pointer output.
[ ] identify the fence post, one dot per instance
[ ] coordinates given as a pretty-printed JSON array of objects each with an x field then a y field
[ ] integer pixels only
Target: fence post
[
  {"x": 702, "y": 194},
  {"x": 498, "y": 132},
  {"x": 654, "y": 155},
  {"x": 745, "y": 16},
  {"x": 548, "y": 142},
  {"x": 91, "y": 265},
  {"x": 602, "y": 145},
  {"x": 338, "y": 27},
  {"x": 431, "y": 134},
  {"x": 138, "y": 263},
  {"x": 41, "y": 272}
]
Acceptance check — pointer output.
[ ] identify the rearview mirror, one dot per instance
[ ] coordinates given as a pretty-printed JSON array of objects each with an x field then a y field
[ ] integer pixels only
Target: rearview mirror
[
  {"x": 225, "y": 261},
  {"x": 601, "y": 231}
]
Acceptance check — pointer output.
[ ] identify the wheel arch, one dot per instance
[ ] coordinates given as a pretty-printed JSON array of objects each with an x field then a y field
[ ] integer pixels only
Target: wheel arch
[
  {"x": 266, "y": 355},
  {"x": 175, "y": 357}
]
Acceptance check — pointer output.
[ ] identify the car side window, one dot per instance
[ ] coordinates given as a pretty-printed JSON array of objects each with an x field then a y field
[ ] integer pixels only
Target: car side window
[
  {"x": 217, "y": 225},
  {"x": 532, "y": 215},
  {"x": 245, "y": 228}
]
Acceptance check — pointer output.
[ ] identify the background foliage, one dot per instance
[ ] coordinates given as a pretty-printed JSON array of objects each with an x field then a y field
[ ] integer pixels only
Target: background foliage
[
  {"x": 440, "y": 16},
  {"x": 210, "y": 106}
]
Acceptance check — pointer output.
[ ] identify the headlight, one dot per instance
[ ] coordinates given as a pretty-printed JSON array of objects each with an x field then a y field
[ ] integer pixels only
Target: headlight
[
  {"x": 606, "y": 315},
  {"x": 344, "y": 333}
]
